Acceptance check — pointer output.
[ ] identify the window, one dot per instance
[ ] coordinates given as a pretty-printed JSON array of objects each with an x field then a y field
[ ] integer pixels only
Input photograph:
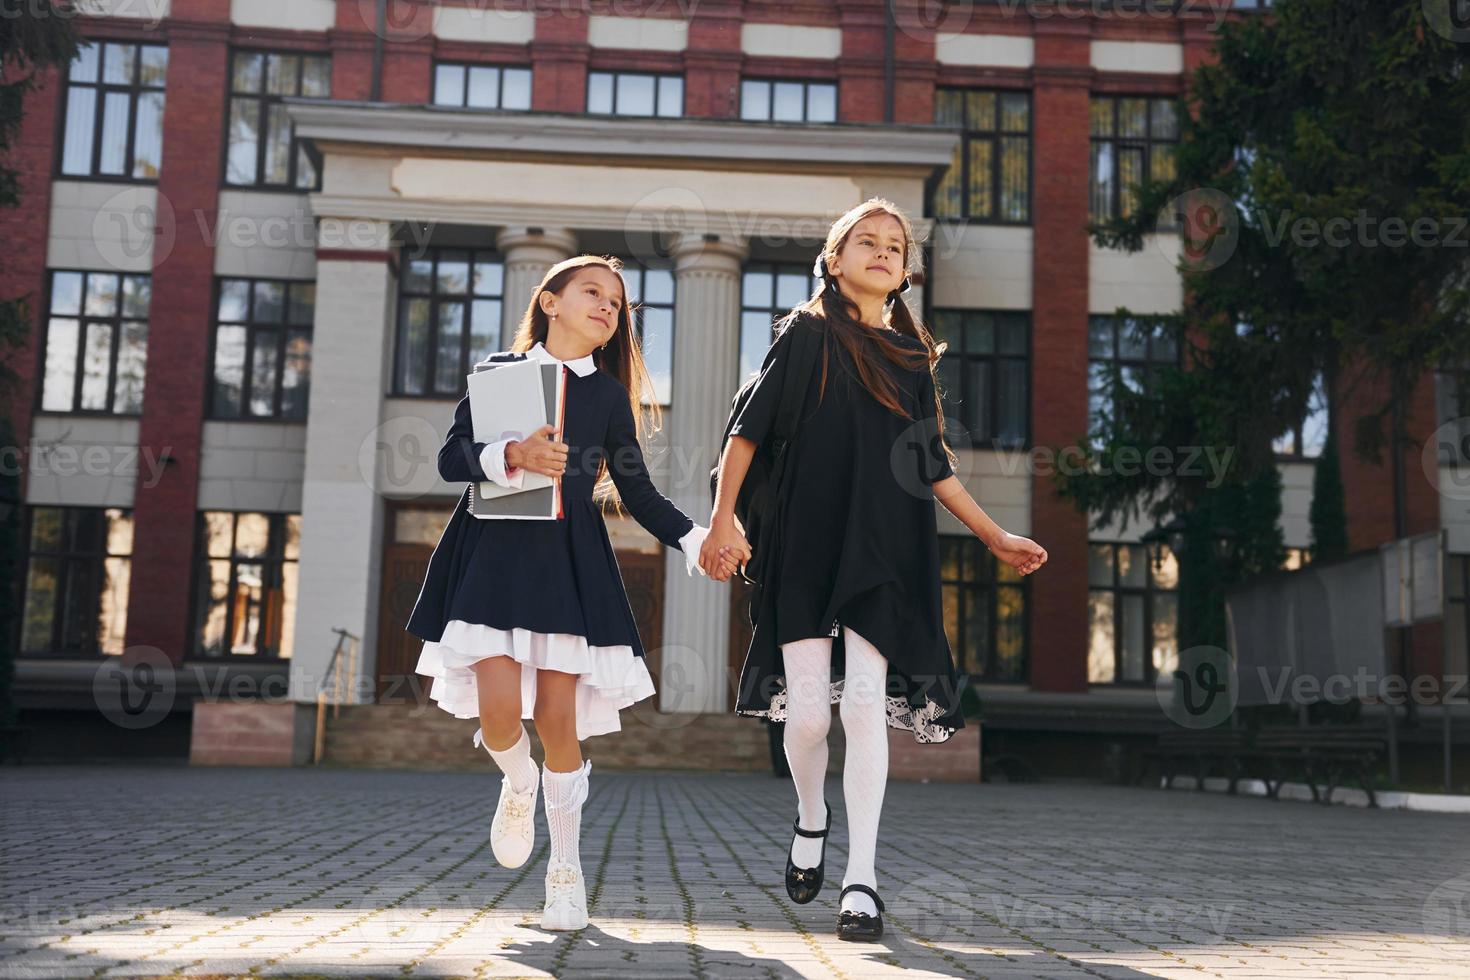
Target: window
[
  {"x": 96, "y": 342},
  {"x": 113, "y": 124},
  {"x": 651, "y": 301},
  {"x": 482, "y": 86},
  {"x": 1133, "y": 143},
  {"x": 1452, "y": 408},
  {"x": 262, "y": 146},
  {"x": 1133, "y": 614},
  {"x": 1307, "y": 437},
  {"x": 1139, "y": 347},
  {"x": 1251, "y": 4},
  {"x": 1457, "y": 618},
  {"x": 985, "y": 374},
  {"x": 245, "y": 577},
  {"x": 989, "y": 178},
  {"x": 78, "y": 564},
  {"x": 1296, "y": 558},
  {"x": 984, "y": 610},
  {"x": 262, "y": 349},
  {"x": 448, "y": 318},
  {"x": 629, "y": 94},
  {"x": 768, "y": 291},
  {"x": 762, "y": 99}
]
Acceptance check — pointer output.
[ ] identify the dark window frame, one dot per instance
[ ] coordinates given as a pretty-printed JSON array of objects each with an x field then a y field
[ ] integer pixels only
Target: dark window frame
[
  {"x": 467, "y": 66},
  {"x": 68, "y": 559},
  {"x": 1456, "y": 455},
  {"x": 807, "y": 84},
  {"x": 774, "y": 311},
  {"x": 133, "y": 90},
  {"x": 275, "y": 559},
  {"x": 958, "y": 358},
  {"x": 1114, "y": 139},
  {"x": 618, "y": 75},
  {"x": 264, "y": 100},
  {"x": 1117, "y": 590},
  {"x": 1147, "y": 364},
  {"x": 436, "y": 298},
  {"x": 636, "y": 308},
  {"x": 114, "y": 321},
  {"x": 285, "y": 327},
  {"x": 994, "y": 576},
  {"x": 993, "y": 135}
]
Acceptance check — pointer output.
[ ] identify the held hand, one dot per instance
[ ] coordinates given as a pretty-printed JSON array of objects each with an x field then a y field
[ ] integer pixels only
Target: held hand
[
  {"x": 724, "y": 549},
  {"x": 1022, "y": 554},
  {"x": 539, "y": 453}
]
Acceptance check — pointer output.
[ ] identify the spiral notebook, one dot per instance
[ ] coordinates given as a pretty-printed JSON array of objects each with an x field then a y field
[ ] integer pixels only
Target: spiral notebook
[{"x": 510, "y": 400}]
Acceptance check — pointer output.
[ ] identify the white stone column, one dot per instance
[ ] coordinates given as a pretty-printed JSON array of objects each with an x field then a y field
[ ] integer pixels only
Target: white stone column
[
  {"x": 341, "y": 516},
  {"x": 527, "y": 253},
  {"x": 707, "y": 274}
]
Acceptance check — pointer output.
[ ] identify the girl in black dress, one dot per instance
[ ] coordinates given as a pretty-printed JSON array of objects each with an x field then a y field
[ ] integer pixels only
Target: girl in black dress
[
  {"x": 528, "y": 618},
  {"x": 855, "y": 549}
]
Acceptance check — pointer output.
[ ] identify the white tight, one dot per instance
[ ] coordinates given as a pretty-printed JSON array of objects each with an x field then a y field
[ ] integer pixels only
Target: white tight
[{"x": 865, "y": 767}]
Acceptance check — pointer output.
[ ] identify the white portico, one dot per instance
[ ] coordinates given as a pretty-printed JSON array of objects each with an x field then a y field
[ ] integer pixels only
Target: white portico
[{"x": 703, "y": 198}]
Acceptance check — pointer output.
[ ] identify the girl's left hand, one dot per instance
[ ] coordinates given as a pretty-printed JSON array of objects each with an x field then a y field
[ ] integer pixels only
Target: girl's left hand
[{"x": 1022, "y": 554}]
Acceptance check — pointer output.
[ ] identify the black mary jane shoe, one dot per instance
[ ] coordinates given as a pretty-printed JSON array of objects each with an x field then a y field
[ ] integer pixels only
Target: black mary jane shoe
[
  {"x": 802, "y": 884},
  {"x": 860, "y": 926}
]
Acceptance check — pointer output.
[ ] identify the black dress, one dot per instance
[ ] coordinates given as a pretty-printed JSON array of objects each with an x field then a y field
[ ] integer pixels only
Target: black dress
[
  {"x": 857, "y": 540},
  {"x": 547, "y": 592}
]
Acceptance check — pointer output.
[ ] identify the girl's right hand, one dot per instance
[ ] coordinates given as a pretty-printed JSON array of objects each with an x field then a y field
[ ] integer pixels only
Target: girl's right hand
[
  {"x": 539, "y": 453},
  {"x": 723, "y": 541}
]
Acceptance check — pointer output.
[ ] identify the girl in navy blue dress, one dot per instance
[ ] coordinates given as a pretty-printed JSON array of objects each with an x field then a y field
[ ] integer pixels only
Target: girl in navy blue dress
[
  {"x": 528, "y": 618},
  {"x": 851, "y": 605}
]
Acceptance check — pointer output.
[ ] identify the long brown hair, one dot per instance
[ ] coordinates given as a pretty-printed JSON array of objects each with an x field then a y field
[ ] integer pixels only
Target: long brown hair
[
  {"x": 621, "y": 357},
  {"x": 864, "y": 343}
]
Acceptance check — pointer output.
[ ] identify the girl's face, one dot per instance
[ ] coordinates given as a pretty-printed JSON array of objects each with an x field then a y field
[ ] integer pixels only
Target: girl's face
[
  {"x": 871, "y": 261},
  {"x": 586, "y": 311}
]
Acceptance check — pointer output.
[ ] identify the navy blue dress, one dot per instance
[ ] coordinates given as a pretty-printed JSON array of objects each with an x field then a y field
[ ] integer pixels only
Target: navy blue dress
[{"x": 547, "y": 576}]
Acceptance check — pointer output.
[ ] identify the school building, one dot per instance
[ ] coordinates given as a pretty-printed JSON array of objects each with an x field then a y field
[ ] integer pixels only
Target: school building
[{"x": 264, "y": 239}]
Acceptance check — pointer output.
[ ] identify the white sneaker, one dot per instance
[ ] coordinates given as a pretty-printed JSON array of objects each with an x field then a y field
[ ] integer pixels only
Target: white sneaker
[
  {"x": 513, "y": 831},
  {"x": 566, "y": 898}
]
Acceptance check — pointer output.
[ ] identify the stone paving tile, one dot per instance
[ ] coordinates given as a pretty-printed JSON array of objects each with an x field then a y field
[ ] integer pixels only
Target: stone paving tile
[{"x": 145, "y": 871}]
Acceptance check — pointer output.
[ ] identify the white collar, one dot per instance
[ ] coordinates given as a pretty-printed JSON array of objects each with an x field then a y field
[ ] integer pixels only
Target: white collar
[{"x": 581, "y": 366}]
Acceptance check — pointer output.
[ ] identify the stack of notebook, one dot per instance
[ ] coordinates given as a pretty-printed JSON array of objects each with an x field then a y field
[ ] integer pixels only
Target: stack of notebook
[{"x": 511, "y": 400}]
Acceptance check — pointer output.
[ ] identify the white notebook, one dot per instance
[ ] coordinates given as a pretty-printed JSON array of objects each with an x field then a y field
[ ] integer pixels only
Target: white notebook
[{"x": 511, "y": 400}]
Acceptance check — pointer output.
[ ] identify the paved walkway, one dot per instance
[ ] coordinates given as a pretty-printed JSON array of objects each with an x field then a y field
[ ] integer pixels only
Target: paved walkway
[{"x": 137, "y": 871}]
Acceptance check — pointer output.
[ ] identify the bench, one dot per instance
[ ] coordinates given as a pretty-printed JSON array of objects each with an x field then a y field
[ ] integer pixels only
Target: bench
[{"x": 1320, "y": 757}]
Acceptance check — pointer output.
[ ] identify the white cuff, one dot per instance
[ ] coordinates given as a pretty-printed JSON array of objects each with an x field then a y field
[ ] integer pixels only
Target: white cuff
[
  {"x": 691, "y": 543},
  {"x": 492, "y": 461}
]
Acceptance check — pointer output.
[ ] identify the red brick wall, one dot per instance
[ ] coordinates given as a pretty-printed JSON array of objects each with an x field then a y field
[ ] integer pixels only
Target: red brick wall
[
  {"x": 1059, "y": 365},
  {"x": 559, "y": 54},
  {"x": 23, "y": 272},
  {"x": 178, "y": 329}
]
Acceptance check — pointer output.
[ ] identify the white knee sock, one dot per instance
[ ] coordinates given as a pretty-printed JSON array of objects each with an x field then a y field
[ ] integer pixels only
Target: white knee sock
[
  {"x": 515, "y": 761},
  {"x": 865, "y": 767},
  {"x": 808, "y": 718},
  {"x": 563, "y": 795}
]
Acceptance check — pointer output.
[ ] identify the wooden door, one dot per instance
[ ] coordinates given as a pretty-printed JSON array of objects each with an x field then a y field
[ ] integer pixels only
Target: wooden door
[
  {"x": 411, "y": 530},
  {"x": 643, "y": 580}
]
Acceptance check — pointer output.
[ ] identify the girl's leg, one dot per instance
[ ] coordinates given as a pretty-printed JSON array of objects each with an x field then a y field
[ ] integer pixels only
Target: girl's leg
[
  {"x": 865, "y": 768},
  {"x": 498, "y": 682},
  {"x": 808, "y": 719},
  {"x": 565, "y": 781}
]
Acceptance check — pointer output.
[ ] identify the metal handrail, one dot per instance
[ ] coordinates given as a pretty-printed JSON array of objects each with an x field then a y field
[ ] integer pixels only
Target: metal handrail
[{"x": 337, "y": 680}]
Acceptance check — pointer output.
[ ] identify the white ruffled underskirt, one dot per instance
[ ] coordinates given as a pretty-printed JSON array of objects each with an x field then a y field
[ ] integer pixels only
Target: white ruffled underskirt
[{"x": 611, "y": 678}]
